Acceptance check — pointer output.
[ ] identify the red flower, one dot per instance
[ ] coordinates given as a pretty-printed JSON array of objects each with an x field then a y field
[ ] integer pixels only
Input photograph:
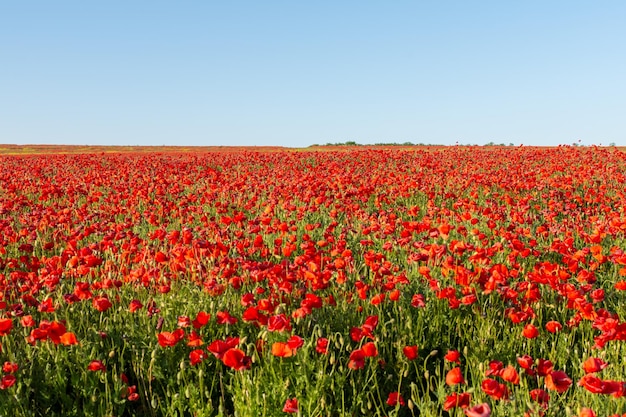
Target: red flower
[
  {"x": 495, "y": 368},
  {"x": 494, "y": 389},
  {"x": 7, "y": 381},
  {"x": 509, "y": 374},
  {"x": 454, "y": 377},
  {"x": 68, "y": 339},
  {"x": 135, "y": 305},
  {"x": 10, "y": 367},
  {"x": 5, "y": 326},
  {"x": 554, "y": 326},
  {"x": 224, "y": 317},
  {"x": 26, "y": 321},
  {"x": 282, "y": 350},
  {"x": 369, "y": 350},
  {"x": 453, "y": 356},
  {"x": 544, "y": 367},
  {"x": 540, "y": 396},
  {"x": 592, "y": 365},
  {"x": 96, "y": 366},
  {"x": 418, "y": 301},
  {"x": 201, "y": 320},
  {"x": 295, "y": 342},
  {"x": 46, "y": 306},
  {"x": 410, "y": 352},
  {"x": 357, "y": 359},
  {"x": 526, "y": 362},
  {"x": 194, "y": 339},
  {"x": 321, "y": 346},
  {"x": 592, "y": 384},
  {"x": 183, "y": 321},
  {"x": 587, "y": 412},
  {"x": 457, "y": 400},
  {"x": 481, "y": 410},
  {"x": 196, "y": 356},
  {"x": 236, "y": 359},
  {"x": 160, "y": 257},
  {"x": 101, "y": 303},
  {"x": 279, "y": 323},
  {"x": 530, "y": 331},
  {"x": 170, "y": 338},
  {"x": 558, "y": 381},
  {"x": 291, "y": 405},
  {"x": 219, "y": 347},
  {"x": 394, "y": 399}
]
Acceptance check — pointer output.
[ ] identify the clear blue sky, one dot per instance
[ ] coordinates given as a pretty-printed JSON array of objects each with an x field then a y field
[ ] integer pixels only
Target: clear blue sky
[{"x": 294, "y": 73}]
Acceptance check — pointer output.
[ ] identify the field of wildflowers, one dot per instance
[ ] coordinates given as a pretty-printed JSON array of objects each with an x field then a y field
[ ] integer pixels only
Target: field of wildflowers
[{"x": 353, "y": 281}]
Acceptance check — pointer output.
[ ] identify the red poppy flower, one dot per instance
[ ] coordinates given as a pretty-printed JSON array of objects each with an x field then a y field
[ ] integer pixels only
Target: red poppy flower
[
  {"x": 7, "y": 381},
  {"x": 10, "y": 367},
  {"x": 591, "y": 383},
  {"x": 558, "y": 381},
  {"x": 455, "y": 400},
  {"x": 46, "y": 306},
  {"x": 236, "y": 359},
  {"x": 295, "y": 342},
  {"x": 369, "y": 349},
  {"x": 454, "y": 377},
  {"x": 481, "y": 410},
  {"x": 68, "y": 339},
  {"x": 321, "y": 346},
  {"x": 96, "y": 365},
  {"x": 530, "y": 331},
  {"x": 201, "y": 320},
  {"x": 453, "y": 356},
  {"x": 196, "y": 356},
  {"x": 194, "y": 339},
  {"x": 160, "y": 257},
  {"x": 540, "y": 396},
  {"x": 278, "y": 323},
  {"x": 592, "y": 365},
  {"x": 544, "y": 367},
  {"x": 554, "y": 326},
  {"x": 418, "y": 301},
  {"x": 495, "y": 368},
  {"x": 55, "y": 331},
  {"x": 183, "y": 321},
  {"x": 135, "y": 305},
  {"x": 26, "y": 321},
  {"x": 587, "y": 412},
  {"x": 170, "y": 338},
  {"x": 394, "y": 399},
  {"x": 101, "y": 303},
  {"x": 509, "y": 374},
  {"x": 224, "y": 317},
  {"x": 5, "y": 326},
  {"x": 219, "y": 347},
  {"x": 410, "y": 352},
  {"x": 291, "y": 405},
  {"x": 525, "y": 361},
  {"x": 494, "y": 389},
  {"x": 282, "y": 350},
  {"x": 357, "y": 359}
]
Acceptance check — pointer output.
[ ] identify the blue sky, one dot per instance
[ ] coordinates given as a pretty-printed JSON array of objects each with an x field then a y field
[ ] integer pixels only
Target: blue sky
[{"x": 293, "y": 73}]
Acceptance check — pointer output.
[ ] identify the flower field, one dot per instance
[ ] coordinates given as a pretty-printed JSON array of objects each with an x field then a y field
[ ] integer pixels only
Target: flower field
[{"x": 350, "y": 281}]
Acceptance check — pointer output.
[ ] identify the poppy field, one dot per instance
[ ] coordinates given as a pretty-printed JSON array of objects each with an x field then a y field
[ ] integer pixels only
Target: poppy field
[{"x": 452, "y": 281}]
